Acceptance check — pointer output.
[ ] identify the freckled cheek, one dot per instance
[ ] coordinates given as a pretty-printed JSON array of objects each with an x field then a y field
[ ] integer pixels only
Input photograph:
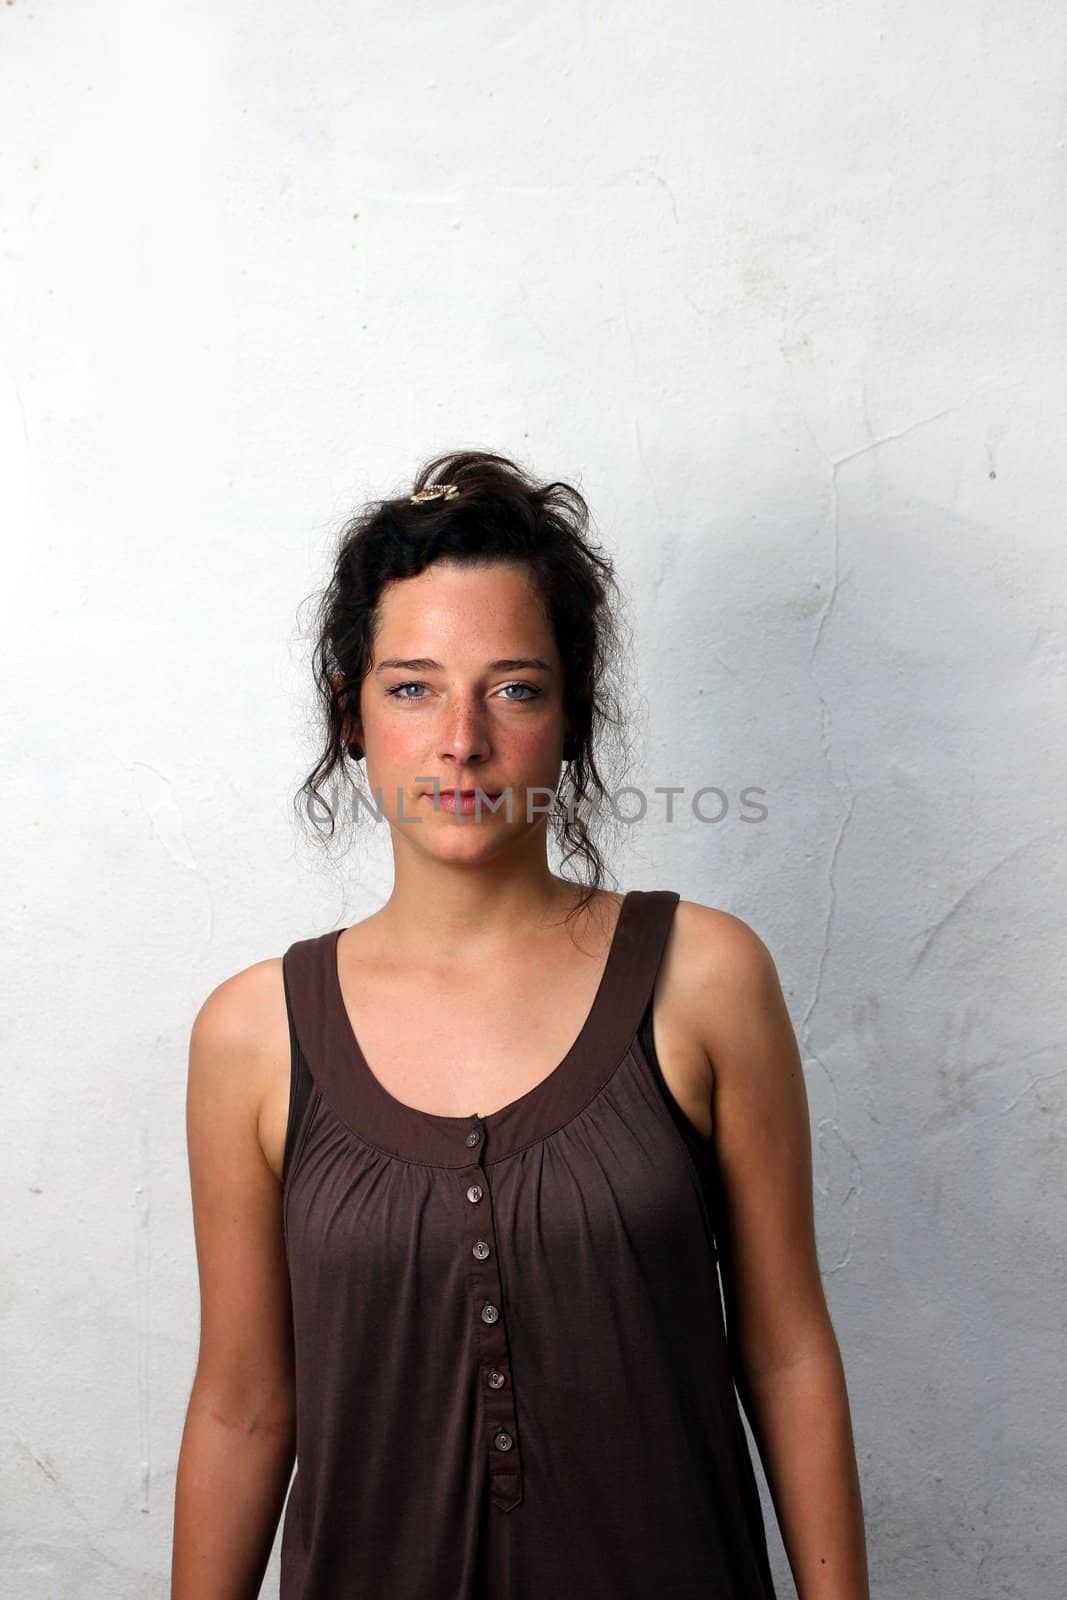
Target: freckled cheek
[
  {"x": 396, "y": 743},
  {"x": 535, "y": 747},
  {"x": 399, "y": 753}
]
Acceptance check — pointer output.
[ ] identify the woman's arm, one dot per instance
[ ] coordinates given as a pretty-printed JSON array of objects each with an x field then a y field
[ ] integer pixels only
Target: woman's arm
[
  {"x": 787, "y": 1362},
  {"x": 238, "y": 1445}
]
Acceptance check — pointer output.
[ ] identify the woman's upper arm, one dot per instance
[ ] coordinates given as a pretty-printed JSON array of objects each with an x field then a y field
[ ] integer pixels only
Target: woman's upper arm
[
  {"x": 244, "y": 1369},
  {"x": 762, "y": 1135}
]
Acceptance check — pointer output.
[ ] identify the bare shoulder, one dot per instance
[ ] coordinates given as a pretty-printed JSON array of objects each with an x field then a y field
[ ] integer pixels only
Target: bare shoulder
[
  {"x": 244, "y": 1374},
  {"x": 240, "y": 1041},
  {"x": 718, "y": 948},
  {"x": 244, "y": 1011},
  {"x": 722, "y": 941},
  {"x": 776, "y": 1310},
  {"x": 726, "y": 975}
]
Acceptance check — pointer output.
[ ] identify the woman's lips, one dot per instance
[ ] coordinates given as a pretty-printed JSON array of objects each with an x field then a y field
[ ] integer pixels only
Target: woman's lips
[{"x": 467, "y": 799}]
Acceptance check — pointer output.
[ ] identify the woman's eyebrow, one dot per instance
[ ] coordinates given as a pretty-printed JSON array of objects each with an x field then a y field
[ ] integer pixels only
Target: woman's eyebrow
[{"x": 426, "y": 664}]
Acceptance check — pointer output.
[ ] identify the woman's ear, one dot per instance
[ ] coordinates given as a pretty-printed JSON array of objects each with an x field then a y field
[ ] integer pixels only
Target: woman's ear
[{"x": 351, "y": 725}]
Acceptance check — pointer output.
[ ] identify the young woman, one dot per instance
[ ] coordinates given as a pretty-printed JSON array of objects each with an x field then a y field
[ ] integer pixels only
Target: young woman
[{"x": 467, "y": 1173}]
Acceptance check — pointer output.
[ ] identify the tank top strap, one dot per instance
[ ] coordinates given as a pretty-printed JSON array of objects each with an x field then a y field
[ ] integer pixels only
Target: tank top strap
[
  {"x": 311, "y": 1059},
  {"x": 301, "y": 1088},
  {"x": 635, "y": 964}
]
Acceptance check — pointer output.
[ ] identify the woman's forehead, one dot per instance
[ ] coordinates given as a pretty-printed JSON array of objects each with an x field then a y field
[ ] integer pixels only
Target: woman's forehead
[{"x": 491, "y": 599}]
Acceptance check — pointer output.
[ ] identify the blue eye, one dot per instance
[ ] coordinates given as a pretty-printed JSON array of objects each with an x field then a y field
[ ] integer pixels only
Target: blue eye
[{"x": 533, "y": 693}]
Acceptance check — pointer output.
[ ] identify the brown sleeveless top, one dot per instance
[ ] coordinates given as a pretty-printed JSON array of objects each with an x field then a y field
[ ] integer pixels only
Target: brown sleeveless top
[{"x": 512, "y": 1373}]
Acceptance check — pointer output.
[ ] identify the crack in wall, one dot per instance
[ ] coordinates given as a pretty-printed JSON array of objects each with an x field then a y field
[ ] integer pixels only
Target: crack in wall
[{"x": 933, "y": 931}]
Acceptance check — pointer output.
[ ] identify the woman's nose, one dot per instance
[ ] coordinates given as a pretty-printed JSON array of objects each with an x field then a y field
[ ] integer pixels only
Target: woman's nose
[{"x": 466, "y": 731}]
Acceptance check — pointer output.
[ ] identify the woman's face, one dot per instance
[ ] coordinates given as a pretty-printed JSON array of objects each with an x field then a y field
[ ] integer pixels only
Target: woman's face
[{"x": 465, "y": 687}]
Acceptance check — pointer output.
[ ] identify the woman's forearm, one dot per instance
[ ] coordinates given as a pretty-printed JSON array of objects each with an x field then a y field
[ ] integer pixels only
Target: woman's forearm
[
  {"x": 800, "y": 1419},
  {"x": 230, "y": 1490}
]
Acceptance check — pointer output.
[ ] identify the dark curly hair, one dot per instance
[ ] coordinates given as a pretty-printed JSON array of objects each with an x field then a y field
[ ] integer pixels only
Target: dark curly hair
[{"x": 499, "y": 514}]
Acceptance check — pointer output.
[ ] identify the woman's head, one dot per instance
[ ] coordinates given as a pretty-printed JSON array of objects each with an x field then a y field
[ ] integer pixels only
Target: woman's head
[{"x": 500, "y": 571}]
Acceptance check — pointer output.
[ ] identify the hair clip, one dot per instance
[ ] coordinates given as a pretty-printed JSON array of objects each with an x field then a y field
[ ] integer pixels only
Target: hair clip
[{"x": 435, "y": 491}]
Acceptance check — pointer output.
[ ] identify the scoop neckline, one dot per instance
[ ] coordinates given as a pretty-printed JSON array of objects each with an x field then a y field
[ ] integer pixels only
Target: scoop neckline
[{"x": 402, "y": 1110}]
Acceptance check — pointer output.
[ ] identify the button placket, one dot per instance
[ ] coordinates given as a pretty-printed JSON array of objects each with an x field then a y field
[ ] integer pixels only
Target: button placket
[{"x": 505, "y": 1468}]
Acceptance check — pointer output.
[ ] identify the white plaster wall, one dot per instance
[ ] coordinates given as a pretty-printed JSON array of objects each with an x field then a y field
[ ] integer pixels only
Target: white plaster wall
[{"x": 781, "y": 286}]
